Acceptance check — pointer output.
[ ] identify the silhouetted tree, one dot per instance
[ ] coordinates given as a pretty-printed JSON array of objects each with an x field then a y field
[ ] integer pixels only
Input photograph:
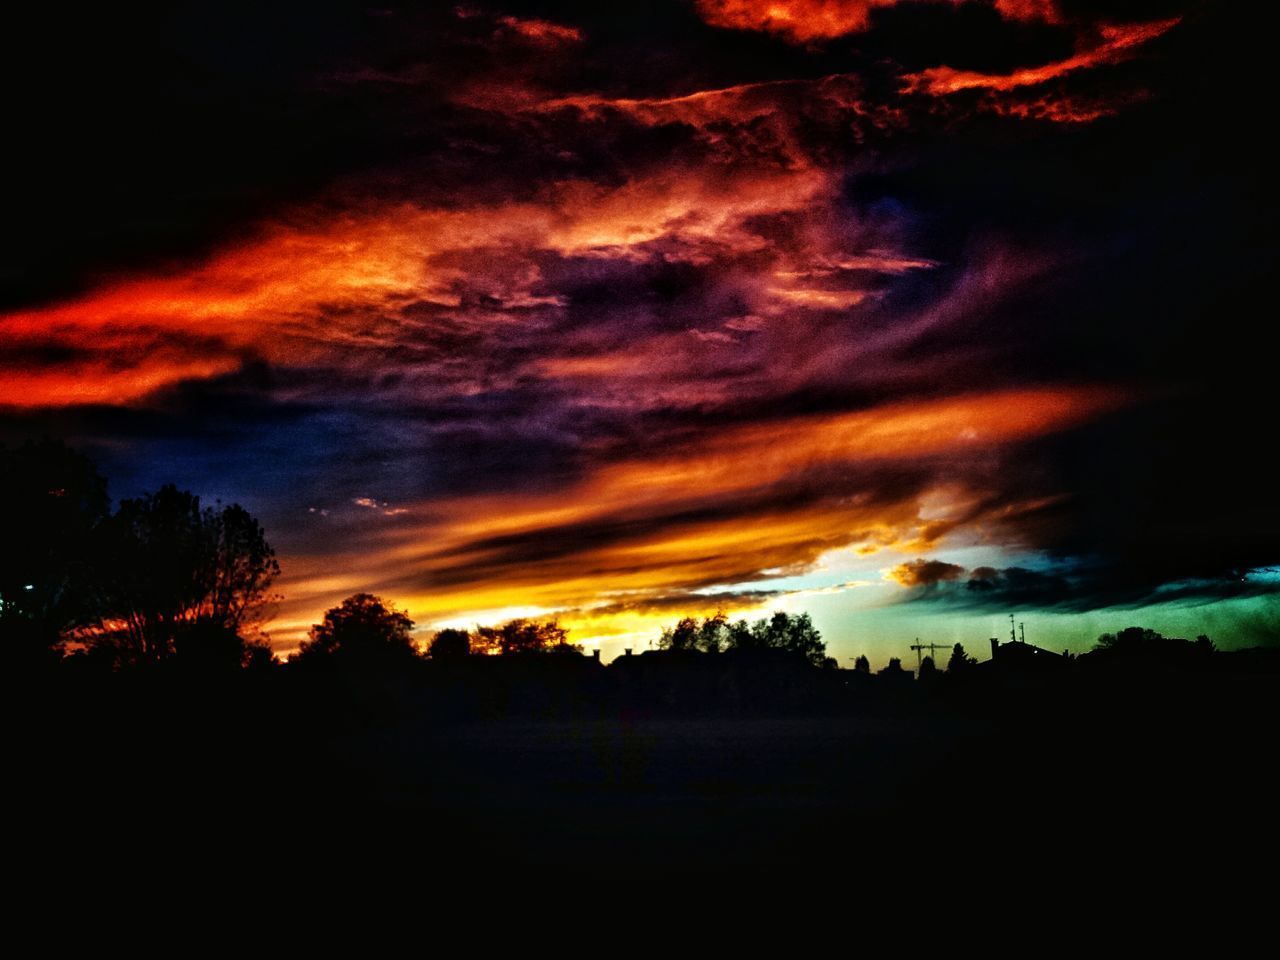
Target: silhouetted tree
[
  {"x": 362, "y": 631},
  {"x": 894, "y": 668},
  {"x": 960, "y": 661},
  {"x": 714, "y": 633},
  {"x": 168, "y": 569},
  {"x": 450, "y": 644},
  {"x": 1136, "y": 641},
  {"x": 564, "y": 647},
  {"x": 683, "y": 636},
  {"x": 739, "y": 636},
  {"x": 862, "y": 664},
  {"x": 1141, "y": 647},
  {"x": 928, "y": 670},
  {"x": 208, "y": 645},
  {"x": 486, "y": 641},
  {"x": 709, "y": 636},
  {"x": 793, "y": 633},
  {"x": 51, "y": 500},
  {"x": 797, "y": 634},
  {"x": 522, "y": 636}
]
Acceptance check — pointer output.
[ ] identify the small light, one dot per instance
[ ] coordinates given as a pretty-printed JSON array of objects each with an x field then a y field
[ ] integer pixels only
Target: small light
[{"x": 29, "y": 586}]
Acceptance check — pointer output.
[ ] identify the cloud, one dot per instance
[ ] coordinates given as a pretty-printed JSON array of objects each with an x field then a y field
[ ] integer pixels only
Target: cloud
[
  {"x": 542, "y": 32},
  {"x": 924, "y": 573},
  {"x": 803, "y": 21},
  {"x": 738, "y": 507},
  {"x": 623, "y": 310},
  {"x": 988, "y": 588},
  {"x": 681, "y": 604},
  {"x": 1077, "y": 585},
  {"x": 368, "y": 503},
  {"x": 796, "y": 20},
  {"x": 316, "y": 292},
  {"x": 1109, "y": 44},
  {"x": 1062, "y": 108},
  {"x": 1045, "y": 10}
]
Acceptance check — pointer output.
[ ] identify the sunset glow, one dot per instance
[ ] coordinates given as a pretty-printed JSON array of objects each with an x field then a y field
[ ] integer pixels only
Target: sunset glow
[{"x": 900, "y": 311}]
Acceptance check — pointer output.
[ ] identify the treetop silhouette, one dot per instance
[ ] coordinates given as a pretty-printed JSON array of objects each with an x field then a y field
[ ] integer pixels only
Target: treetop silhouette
[
  {"x": 792, "y": 633},
  {"x": 960, "y": 660},
  {"x": 362, "y": 630},
  {"x": 521, "y": 636},
  {"x": 709, "y": 636},
  {"x": 450, "y": 644},
  {"x": 170, "y": 574}
]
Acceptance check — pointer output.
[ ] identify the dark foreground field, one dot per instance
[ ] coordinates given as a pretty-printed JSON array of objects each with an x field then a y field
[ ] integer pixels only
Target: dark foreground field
[{"x": 1183, "y": 768}]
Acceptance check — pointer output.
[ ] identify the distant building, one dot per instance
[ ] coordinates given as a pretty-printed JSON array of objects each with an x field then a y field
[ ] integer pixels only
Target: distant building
[{"x": 1022, "y": 657}]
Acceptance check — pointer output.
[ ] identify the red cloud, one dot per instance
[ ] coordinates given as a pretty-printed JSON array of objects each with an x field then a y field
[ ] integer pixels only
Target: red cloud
[
  {"x": 542, "y": 32},
  {"x": 804, "y": 21},
  {"x": 1110, "y": 45},
  {"x": 797, "y": 20}
]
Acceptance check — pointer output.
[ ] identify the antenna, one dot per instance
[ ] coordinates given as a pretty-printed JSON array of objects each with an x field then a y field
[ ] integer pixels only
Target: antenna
[
  {"x": 1022, "y": 628},
  {"x": 1013, "y": 632}
]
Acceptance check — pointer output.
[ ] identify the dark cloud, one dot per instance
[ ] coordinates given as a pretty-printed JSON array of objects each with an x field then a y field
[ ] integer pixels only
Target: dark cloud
[
  {"x": 1018, "y": 587},
  {"x": 925, "y": 573},
  {"x": 1076, "y": 587},
  {"x": 683, "y": 602}
]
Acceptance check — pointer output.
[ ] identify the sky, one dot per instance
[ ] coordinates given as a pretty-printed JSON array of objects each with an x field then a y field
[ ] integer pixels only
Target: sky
[{"x": 910, "y": 315}]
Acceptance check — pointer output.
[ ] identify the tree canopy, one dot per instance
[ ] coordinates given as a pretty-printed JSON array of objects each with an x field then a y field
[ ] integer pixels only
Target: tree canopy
[
  {"x": 169, "y": 573},
  {"x": 792, "y": 633},
  {"x": 362, "y": 630},
  {"x": 450, "y": 644},
  {"x": 709, "y": 636},
  {"x": 960, "y": 660},
  {"x": 1139, "y": 645},
  {"x": 522, "y": 635}
]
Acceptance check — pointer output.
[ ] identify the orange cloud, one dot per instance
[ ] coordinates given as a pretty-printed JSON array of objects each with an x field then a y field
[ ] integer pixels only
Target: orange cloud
[
  {"x": 1112, "y": 44},
  {"x": 1045, "y": 10},
  {"x": 1062, "y": 109},
  {"x": 105, "y": 379},
  {"x": 729, "y": 506},
  {"x": 800, "y": 21},
  {"x": 803, "y": 21},
  {"x": 740, "y": 103},
  {"x": 313, "y": 292},
  {"x": 734, "y": 123},
  {"x": 923, "y": 573},
  {"x": 542, "y": 32}
]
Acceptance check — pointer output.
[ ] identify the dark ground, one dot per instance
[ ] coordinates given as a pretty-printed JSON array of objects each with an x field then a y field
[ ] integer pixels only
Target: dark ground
[{"x": 1182, "y": 768}]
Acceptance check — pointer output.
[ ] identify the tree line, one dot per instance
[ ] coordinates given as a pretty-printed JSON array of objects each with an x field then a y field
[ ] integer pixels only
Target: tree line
[
  {"x": 366, "y": 630},
  {"x": 163, "y": 577},
  {"x": 789, "y": 633}
]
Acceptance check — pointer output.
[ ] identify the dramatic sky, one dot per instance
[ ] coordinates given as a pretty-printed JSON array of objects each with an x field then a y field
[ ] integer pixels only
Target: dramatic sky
[{"x": 908, "y": 314}]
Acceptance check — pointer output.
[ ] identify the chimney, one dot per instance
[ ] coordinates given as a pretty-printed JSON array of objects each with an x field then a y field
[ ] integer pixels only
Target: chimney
[
  {"x": 626, "y": 652},
  {"x": 596, "y": 654},
  {"x": 995, "y": 645}
]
